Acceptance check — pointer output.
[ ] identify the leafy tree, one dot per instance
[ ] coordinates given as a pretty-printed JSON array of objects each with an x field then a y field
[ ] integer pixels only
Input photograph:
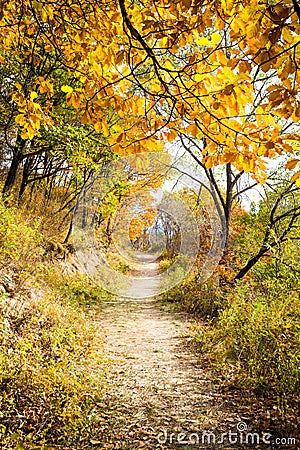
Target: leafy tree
[
  {"x": 56, "y": 52},
  {"x": 279, "y": 215},
  {"x": 226, "y": 74},
  {"x": 224, "y": 78}
]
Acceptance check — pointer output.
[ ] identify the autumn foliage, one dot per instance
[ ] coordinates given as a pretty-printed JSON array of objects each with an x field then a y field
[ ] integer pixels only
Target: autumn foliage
[{"x": 222, "y": 72}]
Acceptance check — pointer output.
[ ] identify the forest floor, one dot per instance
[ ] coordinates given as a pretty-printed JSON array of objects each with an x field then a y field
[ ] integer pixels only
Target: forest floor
[{"x": 158, "y": 388}]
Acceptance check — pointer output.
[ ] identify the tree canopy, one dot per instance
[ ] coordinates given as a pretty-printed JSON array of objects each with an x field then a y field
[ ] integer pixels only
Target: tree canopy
[{"x": 222, "y": 72}]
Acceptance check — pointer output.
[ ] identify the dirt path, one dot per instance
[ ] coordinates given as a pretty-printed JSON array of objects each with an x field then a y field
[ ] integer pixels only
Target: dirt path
[{"x": 157, "y": 387}]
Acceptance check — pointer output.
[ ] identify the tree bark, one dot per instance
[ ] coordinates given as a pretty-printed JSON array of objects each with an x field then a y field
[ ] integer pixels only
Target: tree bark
[
  {"x": 228, "y": 205},
  {"x": 12, "y": 173},
  {"x": 25, "y": 176},
  {"x": 68, "y": 233},
  {"x": 251, "y": 263},
  {"x": 14, "y": 166}
]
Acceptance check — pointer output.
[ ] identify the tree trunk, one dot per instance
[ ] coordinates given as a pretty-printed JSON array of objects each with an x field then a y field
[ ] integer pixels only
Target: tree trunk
[
  {"x": 14, "y": 166},
  {"x": 228, "y": 205},
  {"x": 12, "y": 173},
  {"x": 69, "y": 233},
  {"x": 251, "y": 263},
  {"x": 25, "y": 176}
]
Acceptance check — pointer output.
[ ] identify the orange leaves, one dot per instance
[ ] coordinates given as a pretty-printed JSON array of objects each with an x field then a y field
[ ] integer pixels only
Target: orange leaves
[
  {"x": 210, "y": 161},
  {"x": 296, "y": 178},
  {"x": 228, "y": 157},
  {"x": 141, "y": 223},
  {"x": 102, "y": 127},
  {"x": 45, "y": 86},
  {"x": 169, "y": 70},
  {"x": 292, "y": 163},
  {"x": 282, "y": 100},
  {"x": 171, "y": 135},
  {"x": 74, "y": 97},
  {"x": 193, "y": 129}
]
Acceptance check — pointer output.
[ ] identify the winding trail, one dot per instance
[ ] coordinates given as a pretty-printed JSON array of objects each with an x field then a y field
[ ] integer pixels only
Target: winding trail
[{"x": 156, "y": 385}]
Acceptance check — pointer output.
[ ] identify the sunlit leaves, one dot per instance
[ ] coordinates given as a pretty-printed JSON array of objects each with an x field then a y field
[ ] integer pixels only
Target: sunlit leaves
[
  {"x": 67, "y": 89},
  {"x": 228, "y": 72},
  {"x": 292, "y": 163}
]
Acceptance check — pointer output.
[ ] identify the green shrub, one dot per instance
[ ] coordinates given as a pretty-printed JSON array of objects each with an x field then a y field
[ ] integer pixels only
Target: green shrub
[
  {"x": 52, "y": 369},
  {"x": 51, "y": 372},
  {"x": 78, "y": 290},
  {"x": 257, "y": 338},
  {"x": 20, "y": 240},
  {"x": 203, "y": 299}
]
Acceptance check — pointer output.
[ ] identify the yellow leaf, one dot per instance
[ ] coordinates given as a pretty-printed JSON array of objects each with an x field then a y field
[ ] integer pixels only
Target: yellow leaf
[
  {"x": 198, "y": 77},
  {"x": 98, "y": 127},
  {"x": 33, "y": 95},
  {"x": 216, "y": 38},
  {"x": 67, "y": 89},
  {"x": 105, "y": 128},
  {"x": 117, "y": 129},
  {"x": 28, "y": 133},
  {"x": 20, "y": 119},
  {"x": 227, "y": 5},
  {"x": 155, "y": 88},
  {"x": 168, "y": 65},
  {"x": 189, "y": 38},
  {"x": 253, "y": 29},
  {"x": 296, "y": 40},
  {"x": 287, "y": 36},
  {"x": 164, "y": 42},
  {"x": 203, "y": 41},
  {"x": 296, "y": 177}
]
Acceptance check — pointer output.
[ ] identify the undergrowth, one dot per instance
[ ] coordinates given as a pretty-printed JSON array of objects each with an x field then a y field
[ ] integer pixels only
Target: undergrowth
[
  {"x": 52, "y": 368},
  {"x": 248, "y": 331},
  {"x": 250, "y": 337}
]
